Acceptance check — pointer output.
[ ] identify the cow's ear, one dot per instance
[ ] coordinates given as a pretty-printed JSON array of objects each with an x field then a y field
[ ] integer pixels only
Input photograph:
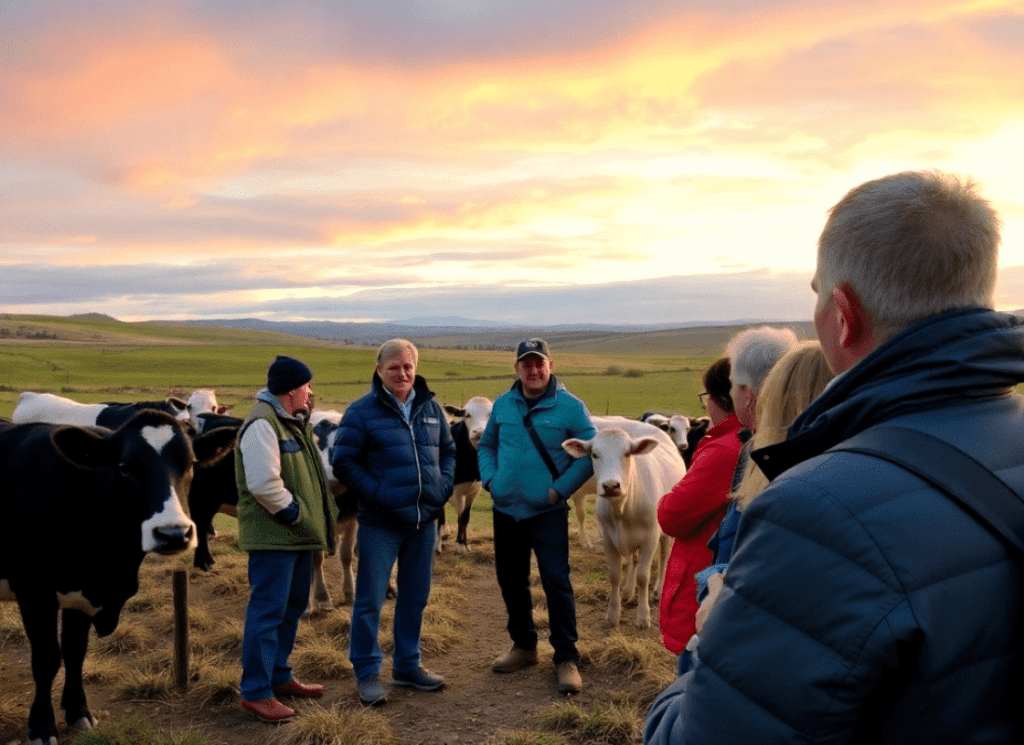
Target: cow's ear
[
  {"x": 643, "y": 445},
  {"x": 177, "y": 403},
  {"x": 577, "y": 448},
  {"x": 222, "y": 409},
  {"x": 84, "y": 447},
  {"x": 455, "y": 411},
  {"x": 212, "y": 446}
]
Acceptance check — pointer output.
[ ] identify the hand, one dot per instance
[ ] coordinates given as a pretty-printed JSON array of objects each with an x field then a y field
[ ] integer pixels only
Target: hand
[
  {"x": 553, "y": 496},
  {"x": 715, "y": 583}
]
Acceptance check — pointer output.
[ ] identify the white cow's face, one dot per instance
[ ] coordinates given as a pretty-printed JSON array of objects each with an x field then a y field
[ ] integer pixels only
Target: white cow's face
[
  {"x": 678, "y": 428},
  {"x": 475, "y": 414},
  {"x": 612, "y": 452},
  {"x": 478, "y": 412}
]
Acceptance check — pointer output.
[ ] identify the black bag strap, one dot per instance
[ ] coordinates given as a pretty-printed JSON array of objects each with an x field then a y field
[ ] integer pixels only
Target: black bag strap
[
  {"x": 950, "y": 470},
  {"x": 544, "y": 454}
]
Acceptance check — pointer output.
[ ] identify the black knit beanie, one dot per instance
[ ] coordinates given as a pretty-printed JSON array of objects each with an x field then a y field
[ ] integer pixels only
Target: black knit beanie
[{"x": 287, "y": 374}]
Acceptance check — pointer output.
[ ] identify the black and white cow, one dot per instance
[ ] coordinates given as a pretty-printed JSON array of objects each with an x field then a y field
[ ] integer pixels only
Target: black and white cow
[
  {"x": 213, "y": 488},
  {"x": 81, "y": 508},
  {"x": 53, "y": 409},
  {"x": 685, "y": 431},
  {"x": 467, "y": 425}
]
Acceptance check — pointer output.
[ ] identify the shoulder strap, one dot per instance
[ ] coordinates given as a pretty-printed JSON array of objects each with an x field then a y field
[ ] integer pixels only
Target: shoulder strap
[
  {"x": 950, "y": 470},
  {"x": 544, "y": 454}
]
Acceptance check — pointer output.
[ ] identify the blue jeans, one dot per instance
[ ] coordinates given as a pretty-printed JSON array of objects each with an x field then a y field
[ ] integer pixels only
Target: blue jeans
[
  {"x": 547, "y": 535},
  {"x": 379, "y": 548},
  {"x": 279, "y": 592}
]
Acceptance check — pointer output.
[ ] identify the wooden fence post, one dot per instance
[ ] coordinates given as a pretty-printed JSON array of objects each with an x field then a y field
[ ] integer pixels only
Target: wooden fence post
[{"x": 181, "y": 629}]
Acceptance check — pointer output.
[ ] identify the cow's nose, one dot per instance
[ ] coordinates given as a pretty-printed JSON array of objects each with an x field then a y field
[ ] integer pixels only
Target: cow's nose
[
  {"x": 172, "y": 538},
  {"x": 610, "y": 488}
]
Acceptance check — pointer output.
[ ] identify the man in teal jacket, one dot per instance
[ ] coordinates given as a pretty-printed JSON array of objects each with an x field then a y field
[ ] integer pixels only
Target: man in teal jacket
[{"x": 530, "y": 478}]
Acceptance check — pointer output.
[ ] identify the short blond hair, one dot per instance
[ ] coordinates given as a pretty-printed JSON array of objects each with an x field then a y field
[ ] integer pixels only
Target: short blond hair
[
  {"x": 910, "y": 245},
  {"x": 795, "y": 380},
  {"x": 392, "y": 347}
]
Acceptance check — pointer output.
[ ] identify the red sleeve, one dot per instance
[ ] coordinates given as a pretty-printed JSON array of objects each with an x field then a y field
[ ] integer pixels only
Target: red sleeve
[{"x": 704, "y": 491}]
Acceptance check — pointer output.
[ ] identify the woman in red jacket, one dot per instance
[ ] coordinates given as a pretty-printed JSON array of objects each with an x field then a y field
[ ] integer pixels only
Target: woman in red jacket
[{"x": 691, "y": 512}]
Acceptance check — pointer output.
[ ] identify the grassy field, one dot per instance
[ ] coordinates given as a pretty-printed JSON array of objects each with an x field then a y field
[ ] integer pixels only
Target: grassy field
[{"x": 97, "y": 359}]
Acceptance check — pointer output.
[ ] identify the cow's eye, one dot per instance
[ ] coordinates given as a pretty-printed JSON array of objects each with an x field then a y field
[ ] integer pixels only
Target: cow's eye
[{"x": 124, "y": 469}]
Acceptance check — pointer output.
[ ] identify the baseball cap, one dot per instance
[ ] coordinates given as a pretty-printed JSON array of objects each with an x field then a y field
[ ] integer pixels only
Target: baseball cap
[{"x": 538, "y": 347}]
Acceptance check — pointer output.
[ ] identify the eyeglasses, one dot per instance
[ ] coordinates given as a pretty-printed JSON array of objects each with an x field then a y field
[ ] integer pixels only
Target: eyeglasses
[{"x": 704, "y": 399}]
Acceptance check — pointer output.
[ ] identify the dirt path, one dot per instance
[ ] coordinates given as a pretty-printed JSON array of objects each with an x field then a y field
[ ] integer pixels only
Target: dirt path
[{"x": 474, "y": 706}]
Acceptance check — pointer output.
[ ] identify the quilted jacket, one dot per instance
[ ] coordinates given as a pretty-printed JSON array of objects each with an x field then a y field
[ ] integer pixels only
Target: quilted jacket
[
  {"x": 401, "y": 472},
  {"x": 860, "y": 604}
]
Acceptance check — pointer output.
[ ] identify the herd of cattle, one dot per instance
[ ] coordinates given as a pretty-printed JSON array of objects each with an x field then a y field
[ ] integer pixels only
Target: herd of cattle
[{"x": 89, "y": 489}]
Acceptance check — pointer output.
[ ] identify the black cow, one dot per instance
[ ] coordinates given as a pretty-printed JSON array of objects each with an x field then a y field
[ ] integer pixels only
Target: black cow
[
  {"x": 81, "y": 507},
  {"x": 213, "y": 487}
]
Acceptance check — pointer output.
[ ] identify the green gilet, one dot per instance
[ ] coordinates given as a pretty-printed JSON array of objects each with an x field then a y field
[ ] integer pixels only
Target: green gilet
[{"x": 303, "y": 475}]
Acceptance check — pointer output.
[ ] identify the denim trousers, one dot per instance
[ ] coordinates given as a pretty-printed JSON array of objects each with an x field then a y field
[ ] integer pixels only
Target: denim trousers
[
  {"x": 379, "y": 548},
  {"x": 278, "y": 596},
  {"x": 547, "y": 535}
]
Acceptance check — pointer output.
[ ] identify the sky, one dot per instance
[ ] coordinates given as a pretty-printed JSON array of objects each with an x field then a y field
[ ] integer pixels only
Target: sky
[{"x": 534, "y": 161}]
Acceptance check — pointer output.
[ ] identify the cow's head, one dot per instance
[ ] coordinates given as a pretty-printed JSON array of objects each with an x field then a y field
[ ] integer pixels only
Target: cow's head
[
  {"x": 475, "y": 414},
  {"x": 612, "y": 452},
  {"x": 325, "y": 423},
  {"x": 148, "y": 465}
]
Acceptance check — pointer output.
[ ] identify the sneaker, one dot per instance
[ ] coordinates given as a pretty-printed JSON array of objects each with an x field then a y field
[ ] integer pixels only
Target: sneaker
[
  {"x": 299, "y": 690},
  {"x": 516, "y": 659},
  {"x": 569, "y": 680},
  {"x": 268, "y": 710},
  {"x": 371, "y": 692},
  {"x": 420, "y": 678}
]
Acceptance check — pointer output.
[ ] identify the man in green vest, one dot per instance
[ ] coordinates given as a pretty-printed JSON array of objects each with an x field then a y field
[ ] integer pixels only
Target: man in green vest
[{"x": 285, "y": 513}]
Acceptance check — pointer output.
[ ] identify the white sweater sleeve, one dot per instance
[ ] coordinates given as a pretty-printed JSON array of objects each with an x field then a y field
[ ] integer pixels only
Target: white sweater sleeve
[{"x": 261, "y": 460}]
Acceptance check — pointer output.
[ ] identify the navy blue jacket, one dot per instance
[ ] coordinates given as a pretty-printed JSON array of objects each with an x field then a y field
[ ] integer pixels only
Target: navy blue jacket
[
  {"x": 861, "y": 605},
  {"x": 401, "y": 472}
]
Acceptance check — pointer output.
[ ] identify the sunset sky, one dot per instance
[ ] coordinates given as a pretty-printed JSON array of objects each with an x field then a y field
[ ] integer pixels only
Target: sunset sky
[{"x": 526, "y": 160}]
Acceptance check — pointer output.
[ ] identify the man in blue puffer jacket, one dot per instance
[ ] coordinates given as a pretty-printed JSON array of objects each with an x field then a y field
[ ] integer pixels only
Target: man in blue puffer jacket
[
  {"x": 862, "y": 605},
  {"x": 394, "y": 452}
]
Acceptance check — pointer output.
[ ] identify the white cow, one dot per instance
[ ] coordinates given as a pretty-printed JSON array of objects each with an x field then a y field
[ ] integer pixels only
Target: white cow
[
  {"x": 203, "y": 401},
  {"x": 635, "y": 464},
  {"x": 467, "y": 425},
  {"x": 49, "y": 408}
]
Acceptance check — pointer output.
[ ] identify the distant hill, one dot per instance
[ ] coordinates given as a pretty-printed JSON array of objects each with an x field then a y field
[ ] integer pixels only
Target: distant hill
[{"x": 692, "y": 338}]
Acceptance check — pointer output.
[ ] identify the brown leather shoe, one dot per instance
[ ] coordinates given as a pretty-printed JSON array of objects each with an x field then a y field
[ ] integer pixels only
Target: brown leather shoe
[
  {"x": 299, "y": 690},
  {"x": 268, "y": 709},
  {"x": 516, "y": 659},
  {"x": 569, "y": 680}
]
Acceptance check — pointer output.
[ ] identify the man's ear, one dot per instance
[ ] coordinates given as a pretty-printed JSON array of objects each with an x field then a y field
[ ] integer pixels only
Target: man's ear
[{"x": 855, "y": 328}]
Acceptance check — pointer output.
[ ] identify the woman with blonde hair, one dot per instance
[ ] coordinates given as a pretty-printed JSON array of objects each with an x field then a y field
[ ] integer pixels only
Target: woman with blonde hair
[{"x": 795, "y": 380}]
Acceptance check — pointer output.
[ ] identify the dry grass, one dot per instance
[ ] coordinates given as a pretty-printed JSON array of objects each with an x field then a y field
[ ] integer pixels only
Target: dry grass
[
  {"x": 130, "y": 636},
  {"x": 322, "y": 658},
  {"x": 334, "y": 726},
  {"x": 213, "y": 683},
  {"x": 11, "y": 629},
  {"x": 527, "y": 737},
  {"x": 13, "y": 710},
  {"x": 619, "y": 723}
]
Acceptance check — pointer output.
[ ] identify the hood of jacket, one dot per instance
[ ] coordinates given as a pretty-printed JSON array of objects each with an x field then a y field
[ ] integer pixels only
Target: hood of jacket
[{"x": 946, "y": 359}]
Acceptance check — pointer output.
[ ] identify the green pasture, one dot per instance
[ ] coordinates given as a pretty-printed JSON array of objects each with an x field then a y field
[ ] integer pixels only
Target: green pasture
[{"x": 104, "y": 360}]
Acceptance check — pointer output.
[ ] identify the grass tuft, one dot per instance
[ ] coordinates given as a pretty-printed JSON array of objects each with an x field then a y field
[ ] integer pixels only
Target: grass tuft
[
  {"x": 334, "y": 726},
  {"x": 618, "y": 723}
]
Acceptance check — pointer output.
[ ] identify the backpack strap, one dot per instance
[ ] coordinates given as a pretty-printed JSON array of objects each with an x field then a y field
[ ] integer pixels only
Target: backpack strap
[{"x": 953, "y": 472}]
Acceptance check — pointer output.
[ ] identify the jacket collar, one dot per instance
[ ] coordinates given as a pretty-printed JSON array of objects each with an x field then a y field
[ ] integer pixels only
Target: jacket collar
[
  {"x": 419, "y": 385},
  {"x": 547, "y": 398},
  {"x": 267, "y": 397},
  {"x": 948, "y": 358}
]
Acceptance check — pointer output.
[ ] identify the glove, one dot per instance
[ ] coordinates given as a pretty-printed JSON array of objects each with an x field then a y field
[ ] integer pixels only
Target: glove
[{"x": 289, "y": 515}]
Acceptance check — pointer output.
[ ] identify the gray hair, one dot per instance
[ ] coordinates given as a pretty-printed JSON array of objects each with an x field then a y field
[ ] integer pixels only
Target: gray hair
[
  {"x": 910, "y": 245},
  {"x": 396, "y": 346},
  {"x": 753, "y": 353}
]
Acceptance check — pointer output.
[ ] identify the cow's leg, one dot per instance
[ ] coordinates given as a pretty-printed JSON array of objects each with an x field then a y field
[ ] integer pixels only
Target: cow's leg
[
  {"x": 665, "y": 547},
  {"x": 462, "y": 539},
  {"x": 615, "y": 579},
  {"x": 643, "y": 582},
  {"x": 319, "y": 597},
  {"x": 74, "y": 639},
  {"x": 629, "y": 586},
  {"x": 579, "y": 502},
  {"x": 443, "y": 529},
  {"x": 346, "y": 530},
  {"x": 202, "y": 516},
  {"x": 39, "y": 616}
]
